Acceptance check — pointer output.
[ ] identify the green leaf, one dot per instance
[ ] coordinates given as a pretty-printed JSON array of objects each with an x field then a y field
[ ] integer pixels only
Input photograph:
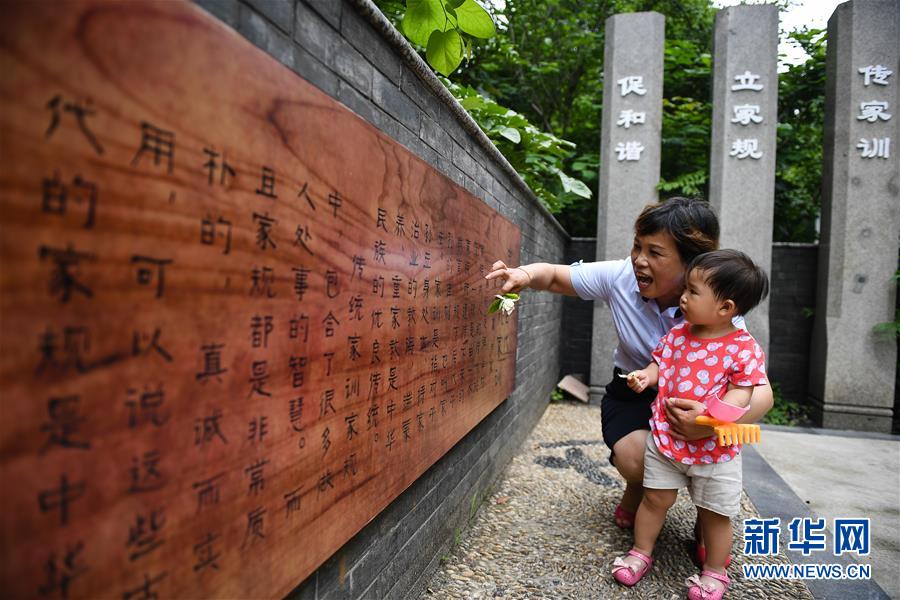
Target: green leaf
[
  {"x": 511, "y": 133},
  {"x": 574, "y": 186},
  {"x": 421, "y": 19},
  {"x": 472, "y": 103},
  {"x": 455, "y": 3},
  {"x": 511, "y": 296},
  {"x": 444, "y": 51},
  {"x": 474, "y": 20},
  {"x": 495, "y": 306}
]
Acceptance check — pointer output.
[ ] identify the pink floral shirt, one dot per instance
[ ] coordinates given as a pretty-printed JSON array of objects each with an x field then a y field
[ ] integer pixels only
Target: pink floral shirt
[{"x": 701, "y": 369}]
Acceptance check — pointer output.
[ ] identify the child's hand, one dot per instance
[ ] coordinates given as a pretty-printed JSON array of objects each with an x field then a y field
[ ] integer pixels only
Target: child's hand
[{"x": 638, "y": 380}]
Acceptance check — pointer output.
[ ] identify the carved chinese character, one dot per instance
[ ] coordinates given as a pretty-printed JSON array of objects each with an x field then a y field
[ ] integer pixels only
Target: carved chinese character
[
  {"x": 632, "y": 84},
  {"x": 80, "y": 112},
  {"x": 158, "y": 142}
]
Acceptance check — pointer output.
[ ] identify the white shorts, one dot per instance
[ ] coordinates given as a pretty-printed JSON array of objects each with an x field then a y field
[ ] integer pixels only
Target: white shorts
[{"x": 716, "y": 487}]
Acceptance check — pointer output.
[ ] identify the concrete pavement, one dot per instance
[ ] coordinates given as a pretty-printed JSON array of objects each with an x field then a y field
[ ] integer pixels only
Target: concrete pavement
[{"x": 798, "y": 472}]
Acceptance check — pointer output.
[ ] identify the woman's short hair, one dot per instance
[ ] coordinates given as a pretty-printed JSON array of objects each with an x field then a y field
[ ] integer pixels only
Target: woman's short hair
[{"x": 690, "y": 221}]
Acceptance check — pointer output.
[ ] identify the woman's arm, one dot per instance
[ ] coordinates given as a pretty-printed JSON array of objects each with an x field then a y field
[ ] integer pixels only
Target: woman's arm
[
  {"x": 537, "y": 276},
  {"x": 681, "y": 414}
]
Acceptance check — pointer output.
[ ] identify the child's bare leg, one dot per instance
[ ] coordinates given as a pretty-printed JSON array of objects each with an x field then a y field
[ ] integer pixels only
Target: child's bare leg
[
  {"x": 648, "y": 523},
  {"x": 717, "y": 535},
  {"x": 631, "y": 498}
]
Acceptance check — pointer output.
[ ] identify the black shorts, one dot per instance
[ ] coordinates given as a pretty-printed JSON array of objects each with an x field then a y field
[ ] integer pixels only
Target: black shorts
[{"x": 623, "y": 411}]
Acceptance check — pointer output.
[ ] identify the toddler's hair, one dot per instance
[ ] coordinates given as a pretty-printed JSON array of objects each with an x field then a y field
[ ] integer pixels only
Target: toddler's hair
[{"x": 732, "y": 275}]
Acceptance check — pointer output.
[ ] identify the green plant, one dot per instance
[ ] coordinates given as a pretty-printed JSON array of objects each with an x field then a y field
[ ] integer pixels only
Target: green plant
[
  {"x": 506, "y": 302},
  {"x": 444, "y": 28},
  {"x": 890, "y": 328},
  {"x": 539, "y": 157},
  {"x": 454, "y": 544},
  {"x": 556, "y": 395},
  {"x": 787, "y": 412},
  {"x": 800, "y": 131}
]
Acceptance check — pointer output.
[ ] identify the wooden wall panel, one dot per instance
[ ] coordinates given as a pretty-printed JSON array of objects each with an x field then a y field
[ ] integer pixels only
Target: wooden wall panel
[{"x": 237, "y": 320}]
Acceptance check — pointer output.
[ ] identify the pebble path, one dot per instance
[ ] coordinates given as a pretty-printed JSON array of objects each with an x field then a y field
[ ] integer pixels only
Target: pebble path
[{"x": 546, "y": 529}]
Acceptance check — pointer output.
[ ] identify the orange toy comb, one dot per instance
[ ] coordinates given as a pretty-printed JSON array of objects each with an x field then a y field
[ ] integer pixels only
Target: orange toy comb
[{"x": 731, "y": 433}]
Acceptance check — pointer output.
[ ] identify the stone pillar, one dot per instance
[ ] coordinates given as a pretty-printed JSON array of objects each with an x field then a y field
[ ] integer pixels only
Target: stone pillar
[
  {"x": 629, "y": 154},
  {"x": 852, "y": 368},
  {"x": 742, "y": 156}
]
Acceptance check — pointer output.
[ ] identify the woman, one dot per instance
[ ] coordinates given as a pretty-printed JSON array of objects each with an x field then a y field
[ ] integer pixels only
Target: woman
[{"x": 643, "y": 295}]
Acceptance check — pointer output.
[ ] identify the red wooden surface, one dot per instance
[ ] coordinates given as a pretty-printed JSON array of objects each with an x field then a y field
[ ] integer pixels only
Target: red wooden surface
[{"x": 180, "y": 219}]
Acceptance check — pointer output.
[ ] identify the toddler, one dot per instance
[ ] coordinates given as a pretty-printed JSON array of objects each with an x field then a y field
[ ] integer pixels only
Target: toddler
[{"x": 708, "y": 359}]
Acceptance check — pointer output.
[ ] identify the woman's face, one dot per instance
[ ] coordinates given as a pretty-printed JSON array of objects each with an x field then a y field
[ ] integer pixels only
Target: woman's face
[{"x": 658, "y": 268}]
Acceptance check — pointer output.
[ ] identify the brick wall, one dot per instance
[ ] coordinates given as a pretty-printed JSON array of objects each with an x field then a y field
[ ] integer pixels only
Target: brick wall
[
  {"x": 347, "y": 49},
  {"x": 793, "y": 293},
  {"x": 578, "y": 318}
]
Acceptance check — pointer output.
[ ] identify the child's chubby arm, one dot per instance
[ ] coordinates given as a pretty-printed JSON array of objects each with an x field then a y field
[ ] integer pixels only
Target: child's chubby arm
[
  {"x": 761, "y": 402},
  {"x": 641, "y": 379},
  {"x": 738, "y": 395},
  {"x": 733, "y": 406}
]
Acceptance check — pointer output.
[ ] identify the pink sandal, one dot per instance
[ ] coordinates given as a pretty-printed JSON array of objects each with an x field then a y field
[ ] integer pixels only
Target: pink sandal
[
  {"x": 625, "y": 573},
  {"x": 704, "y": 591},
  {"x": 624, "y": 518}
]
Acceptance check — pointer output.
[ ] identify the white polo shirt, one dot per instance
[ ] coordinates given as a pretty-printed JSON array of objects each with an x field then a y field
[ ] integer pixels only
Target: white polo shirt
[{"x": 639, "y": 322}]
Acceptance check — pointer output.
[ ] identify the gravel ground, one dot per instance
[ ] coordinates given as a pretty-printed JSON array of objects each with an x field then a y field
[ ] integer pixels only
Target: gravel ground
[{"x": 546, "y": 531}]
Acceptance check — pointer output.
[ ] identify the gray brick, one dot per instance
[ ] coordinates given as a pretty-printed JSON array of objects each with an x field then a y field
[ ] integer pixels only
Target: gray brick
[
  {"x": 224, "y": 10},
  {"x": 265, "y": 36},
  {"x": 330, "y": 10},
  {"x": 311, "y": 69},
  {"x": 389, "y": 96},
  {"x": 462, "y": 160},
  {"x": 415, "y": 145},
  {"x": 470, "y": 185},
  {"x": 423, "y": 96},
  {"x": 484, "y": 178},
  {"x": 353, "y": 67},
  {"x": 446, "y": 166},
  {"x": 280, "y": 12},
  {"x": 364, "y": 38},
  {"x": 367, "y": 110},
  {"x": 315, "y": 34},
  {"x": 434, "y": 135},
  {"x": 306, "y": 590}
]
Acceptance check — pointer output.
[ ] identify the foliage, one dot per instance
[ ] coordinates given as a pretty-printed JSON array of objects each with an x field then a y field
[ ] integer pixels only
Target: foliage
[
  {"x": 687, "y": 119},
  {"x": 508, "y": 300},
  {"x": 787, "y": 412},
  {"x": 556, "y": 395},
  {"x": 545, "y": 64},
  {"x": 536, "y": 155},
  {"x": 798, "y": 162},
  {"x": 445, "y": 29},
  {"x": 891, "y": 328}
]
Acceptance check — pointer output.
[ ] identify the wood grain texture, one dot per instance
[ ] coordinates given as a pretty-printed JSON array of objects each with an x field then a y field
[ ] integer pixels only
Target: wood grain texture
[{"x": 217, "y": 363}]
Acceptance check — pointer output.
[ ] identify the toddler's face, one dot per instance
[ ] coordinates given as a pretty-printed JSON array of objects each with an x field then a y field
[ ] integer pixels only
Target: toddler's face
[{"x": 698, "y": 302}]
